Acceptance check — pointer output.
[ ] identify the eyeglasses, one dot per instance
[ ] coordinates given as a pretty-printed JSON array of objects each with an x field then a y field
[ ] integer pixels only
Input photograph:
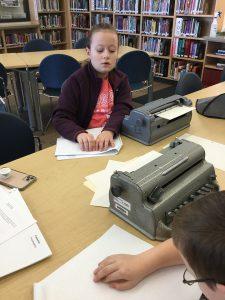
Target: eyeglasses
[{"x": 192, "y": 281}]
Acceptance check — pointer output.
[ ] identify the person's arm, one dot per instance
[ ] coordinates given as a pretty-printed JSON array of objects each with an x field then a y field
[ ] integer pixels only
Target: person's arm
[
  {"x": 124, "y": 271},
  {"x": 65, "y": 114},
  {"x": 122, "y": 106}
]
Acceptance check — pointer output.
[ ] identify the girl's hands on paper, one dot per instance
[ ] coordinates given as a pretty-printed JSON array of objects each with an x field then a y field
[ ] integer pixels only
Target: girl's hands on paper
[
  {"x": 86, "y": 141},
  {"x": 104, "y": 140},
  {"x": 121, "y": 271}
]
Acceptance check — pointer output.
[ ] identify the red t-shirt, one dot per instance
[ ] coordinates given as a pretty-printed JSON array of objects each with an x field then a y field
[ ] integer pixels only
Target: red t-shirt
[{"x": 103, "y": 107}]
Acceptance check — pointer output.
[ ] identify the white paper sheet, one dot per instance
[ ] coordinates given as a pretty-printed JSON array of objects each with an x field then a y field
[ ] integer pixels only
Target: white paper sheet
[
  {"x": 172, "y": 113},
  {"x": 214, "y": 152},
  {"x": 24, "y": 249},
  {"x": 68, "y": 148},
  {"x": 74, "y": 280},
  {"x": 14, "y": 214},
  {"x": 101, "y": 180}
]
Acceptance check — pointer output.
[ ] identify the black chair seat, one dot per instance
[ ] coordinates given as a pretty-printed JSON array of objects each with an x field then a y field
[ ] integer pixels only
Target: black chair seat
[{"x": 52, "y": 92}]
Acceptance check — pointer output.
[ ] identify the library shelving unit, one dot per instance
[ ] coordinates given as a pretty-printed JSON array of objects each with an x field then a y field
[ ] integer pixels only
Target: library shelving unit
[
  {"x": 214, "y": 60},
  {"x": 53, "y": 21},
  {"x": 172, "y": 31},
  {"x": 14, "y": 35},
  {"x": 192, "y": 23}
]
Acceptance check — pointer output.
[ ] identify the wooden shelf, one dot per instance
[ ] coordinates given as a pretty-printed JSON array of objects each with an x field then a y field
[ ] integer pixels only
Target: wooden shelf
[
  {"x": 127, "y": 33},
  {"x": 79, "y": 28},
  {"x": 215, "y": 56},
  {"x": 190, "y": 38},
  {"x": 105, "y": 12},
  {"x": 127, "y": 14},
  {"x": 52, "y": 12},
  {"x": 79, "y": 12},
  {"x": 188, "y": 59},
  {"x": 156, "y": 36},
  {"x": 52, "y": 28},
  {"x": 195, "y": 16},
  {"x": 214, "y": 67},
  {"x": 144, "y": 15},
  {"x": 152, "y": 54}
]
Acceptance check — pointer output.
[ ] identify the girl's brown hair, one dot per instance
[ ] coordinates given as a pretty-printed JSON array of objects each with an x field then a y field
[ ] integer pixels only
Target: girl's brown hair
[{"x": 100, "y": 27}]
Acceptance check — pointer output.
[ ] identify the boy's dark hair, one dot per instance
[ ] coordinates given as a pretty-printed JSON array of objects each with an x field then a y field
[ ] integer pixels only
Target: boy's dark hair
[
  {"x": 100, "y": 27},
  {"x": 198, "y": 231}
]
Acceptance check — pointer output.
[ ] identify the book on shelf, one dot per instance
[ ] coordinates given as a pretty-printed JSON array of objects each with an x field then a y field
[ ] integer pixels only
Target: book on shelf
[
  {"x": 220, "y": 65},
  {"x": 49, "y": 21},
  {"x": 157, "y": 7},
  {"x": 14, "y": 39},
  {"x": 187, "y": 27},
  {"x": 101, "y": 5},
  {"x": 220, "y": 52},
  {"x": 77, "y": 35},
  {"x": 157, "y": 46},
  {"x": 126, "y": 24},
  {"x": 157, "y": 27},
  {"x": 80, "y": 20},
  {"x": 178, "y": 68},
  {"x": 193, "y": 7},
  {"x": 79, "y": 5},
  {"x": 187, "y": 48},
  {"x": 48, "y": 5},
  {"x": 52, "y": 37},
  {"x": 126, "y": 6},
  {"x": 128, "y": 40},
  {"x": 101, "y": 18},
  {"x": 160, "y": 67}
]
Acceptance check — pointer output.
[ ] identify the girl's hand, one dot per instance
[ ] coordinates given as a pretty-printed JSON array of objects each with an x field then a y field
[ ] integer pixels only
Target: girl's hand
[
  {"x": 86, "y": 141},
  {"x": 104, "y": 140},
  {"x": 121, "y": 271}
]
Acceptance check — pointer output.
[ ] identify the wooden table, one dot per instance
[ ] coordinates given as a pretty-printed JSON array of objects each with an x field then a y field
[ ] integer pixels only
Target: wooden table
[{"x": 61, "y": 203}]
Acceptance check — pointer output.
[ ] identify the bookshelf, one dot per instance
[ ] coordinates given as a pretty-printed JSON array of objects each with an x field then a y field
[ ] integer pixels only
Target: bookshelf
[
  {"x": 14, "y": 35},
  {"x": 53, "y": 22},
  {"x": 214, "y": 60},
  {"x": 172, "y": 31}
]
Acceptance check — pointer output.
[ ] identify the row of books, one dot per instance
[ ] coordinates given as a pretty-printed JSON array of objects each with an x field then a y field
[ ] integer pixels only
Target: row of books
[
  {"x": 160, "y": 67},
  {"x": 157, "y": 46},
  {"x": 194, "y": 7},
  {"x": 48, "y": 21},
  {"x": 162, "y": 7},
  {"x": 101, "y": 18},
  {"x": 48, "y": 5},
  {"x": 178, "y": 68},
  {"x": 187, "y": 27},
  {"x": 19, "y": 38},
  {"x": 77, "y": 35},
  {"x": 157, "y": 27},
  {"x": 126, "y": 40},
  {"x": 126, "y": 24},
  {"x": 102, "y": 5},
  {"x": 54, "y": 36},
  {"x": 80, "y": 21},
  {"x": 187, "y": 48},
  {"x": 126, "y": 6},
  {"x": 81, "y": 5}
]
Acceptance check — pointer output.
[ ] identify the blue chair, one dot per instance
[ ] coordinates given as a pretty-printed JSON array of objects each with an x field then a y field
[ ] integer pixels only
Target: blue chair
[
  {"x": 17, "y": 139},
  {"x": 81, "y": 43},
  {"x": 139, "y": 68},
  {"x": 188, "y": 83},
  {"x": 222, "y": 78},
  {"x": 37, "y": 45},
  {"x": 53, "y": 71}
]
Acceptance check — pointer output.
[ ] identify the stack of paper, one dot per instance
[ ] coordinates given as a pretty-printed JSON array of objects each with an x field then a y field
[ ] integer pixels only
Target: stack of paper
[
  {"x": 174, "y": 112},
  {"x": 99, "y": 182},
  {"x": 74, "y": 280},
  {"x": 66, "y": 149},
  {"x": 21, "y": 242}
]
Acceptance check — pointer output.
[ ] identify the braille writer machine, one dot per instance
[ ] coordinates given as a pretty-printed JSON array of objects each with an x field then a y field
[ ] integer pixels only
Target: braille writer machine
[
  {"x": 148, "y": 125},
  {"x": 149, "y": 197}
]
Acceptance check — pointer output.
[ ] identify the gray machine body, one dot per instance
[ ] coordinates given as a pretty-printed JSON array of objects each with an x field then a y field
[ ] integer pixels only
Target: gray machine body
[
  {"x": 144, "y": 126},
  {"x": 149, "y": 197}
]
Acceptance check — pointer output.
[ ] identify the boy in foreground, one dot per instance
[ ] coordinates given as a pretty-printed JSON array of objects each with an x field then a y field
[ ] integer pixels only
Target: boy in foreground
[{"x": 198, "y": 241}]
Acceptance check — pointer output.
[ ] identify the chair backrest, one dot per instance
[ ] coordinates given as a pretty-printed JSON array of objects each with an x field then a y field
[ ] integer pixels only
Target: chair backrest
[
  {"x": 37, "y": 45},
  {"x": 222, "y": 78},
  {"x": 3, "y": 81},
  {"x": 81, "y": 43},
  {"x": 16, "y": 138},
  {"x": 139, "y": 70},
  {"x": 189, "y": 83},
  {"x": 56, "y": 68},
  {"x": 138, "y": 66}
]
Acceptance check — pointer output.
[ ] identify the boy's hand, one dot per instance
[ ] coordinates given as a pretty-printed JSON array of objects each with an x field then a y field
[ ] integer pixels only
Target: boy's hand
[
  {"x": 121, "y": 271},
  {"x": 104, "y": 140},
  {"x": 86, "y": 141}
]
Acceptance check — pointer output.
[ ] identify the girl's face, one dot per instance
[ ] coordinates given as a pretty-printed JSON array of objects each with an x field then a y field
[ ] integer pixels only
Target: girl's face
[{"x": 103, "y": 52}]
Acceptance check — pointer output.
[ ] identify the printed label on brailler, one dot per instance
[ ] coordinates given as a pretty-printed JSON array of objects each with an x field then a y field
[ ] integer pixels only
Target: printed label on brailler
[
  {"x": 121, "y": 209},
  {"x": 122, "y": 202}
]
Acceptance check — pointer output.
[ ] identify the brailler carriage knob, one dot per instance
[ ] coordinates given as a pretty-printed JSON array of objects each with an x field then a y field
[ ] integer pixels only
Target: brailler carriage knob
[{"x": 116, "y": 190}]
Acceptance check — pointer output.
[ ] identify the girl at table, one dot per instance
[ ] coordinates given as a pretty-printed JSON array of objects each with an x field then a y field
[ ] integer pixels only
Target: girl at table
[{"x": 97, "y": 95}]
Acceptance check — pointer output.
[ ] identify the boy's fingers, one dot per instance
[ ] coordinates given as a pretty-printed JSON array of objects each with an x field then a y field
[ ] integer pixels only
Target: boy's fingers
[
  {"x": 104, "y": 272},
  {"x": 122, "y": 285},
  {"x": 114, "y": 276}
]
